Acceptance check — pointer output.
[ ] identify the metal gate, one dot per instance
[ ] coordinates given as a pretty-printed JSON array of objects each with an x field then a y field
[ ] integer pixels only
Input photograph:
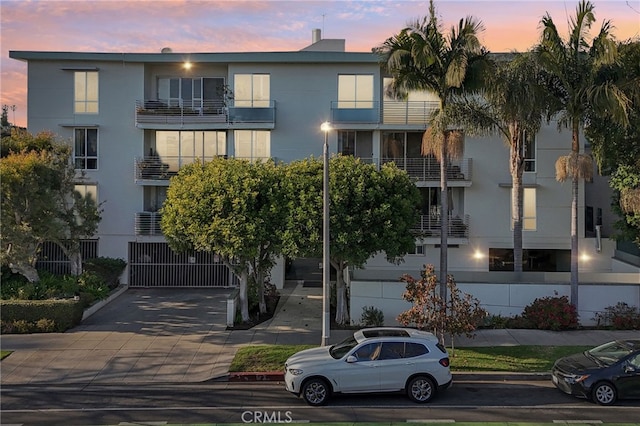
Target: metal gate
[
  {"x": 156, "y": 265},
  {"x": 52, "y": 259}
]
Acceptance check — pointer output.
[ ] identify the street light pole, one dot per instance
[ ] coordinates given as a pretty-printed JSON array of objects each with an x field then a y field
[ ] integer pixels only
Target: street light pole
[{"x": 326, "y": 265}]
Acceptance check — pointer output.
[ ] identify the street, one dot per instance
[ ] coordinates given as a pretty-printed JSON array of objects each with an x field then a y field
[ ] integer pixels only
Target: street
[{"x": 269, "y": 403}]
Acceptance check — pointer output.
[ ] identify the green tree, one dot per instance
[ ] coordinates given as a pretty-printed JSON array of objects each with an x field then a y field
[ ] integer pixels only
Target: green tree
[
  {"x": 371, "y": 211},
  {"x": 574, "y": 81},
  {"x": 233, "y": 208},
  {"x": 512, "y": 105},
  {"x": 40, "y": 203},
  {"x": 423, "y": 58},
  {"x": 616, "y": 148}
]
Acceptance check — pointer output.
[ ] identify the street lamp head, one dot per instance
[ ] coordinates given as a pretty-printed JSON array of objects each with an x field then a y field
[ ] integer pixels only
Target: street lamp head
[{"x": 325, "y": 127}]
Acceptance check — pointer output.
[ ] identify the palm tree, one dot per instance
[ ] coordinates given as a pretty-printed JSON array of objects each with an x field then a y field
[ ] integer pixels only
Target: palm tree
[
  {"x": 513, "y": 105},
  {"x": 573, "y": 68},
  {"x": 422, "y": 58}
]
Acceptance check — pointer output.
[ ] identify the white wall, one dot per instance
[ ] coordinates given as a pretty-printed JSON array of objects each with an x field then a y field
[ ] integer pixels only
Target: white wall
[{"x": 505, "y": 299}]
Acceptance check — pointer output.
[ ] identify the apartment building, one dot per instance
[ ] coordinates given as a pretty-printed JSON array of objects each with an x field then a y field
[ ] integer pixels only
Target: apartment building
[{"x": 135, "y": 118}]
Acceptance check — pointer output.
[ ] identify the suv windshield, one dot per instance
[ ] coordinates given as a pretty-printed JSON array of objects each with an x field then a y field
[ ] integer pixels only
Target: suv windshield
[{"x": 339, "y": 350}]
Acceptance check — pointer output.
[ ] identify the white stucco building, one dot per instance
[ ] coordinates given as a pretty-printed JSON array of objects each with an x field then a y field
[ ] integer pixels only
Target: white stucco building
[{"x": 135, "y": 118}]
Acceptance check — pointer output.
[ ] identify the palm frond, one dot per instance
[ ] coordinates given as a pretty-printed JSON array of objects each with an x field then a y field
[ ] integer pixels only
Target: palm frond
[
  {"x": 630, "y": 200},
  {"x": 574, "y": 165}
]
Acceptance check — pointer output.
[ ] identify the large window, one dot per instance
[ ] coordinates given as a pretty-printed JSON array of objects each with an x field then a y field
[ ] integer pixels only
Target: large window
[
  {"x": 529, "y": 221},
  {"x": 177, "y": 148},
  {"x": 359, "y": 144},
  {"x": 85, "y": 148},
  {"x": 86, "y": 92},
  {"x": 355, "y": 91},
  {"x": 538, "y": 260},
  {"x": 87, "y": 190},
  {"x": 252, "y": 144},
  {"x": 401, "y": 145},
  {"x": 195, "y": 93},
  {"x": 252, "y": 90}
]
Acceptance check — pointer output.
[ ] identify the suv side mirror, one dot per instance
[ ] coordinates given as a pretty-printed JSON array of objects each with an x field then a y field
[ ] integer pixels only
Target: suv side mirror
[{"x": 351, "y": 359}]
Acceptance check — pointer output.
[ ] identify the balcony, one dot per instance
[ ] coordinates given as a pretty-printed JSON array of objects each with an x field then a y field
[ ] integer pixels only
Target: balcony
[
  {"x": 429, "y": 226},
  {"x": 153, "y": 112},
  {"x": 148, "y": 223},
  {"x": 427, "y": 169},
  {"x": 411, "y": 113}
]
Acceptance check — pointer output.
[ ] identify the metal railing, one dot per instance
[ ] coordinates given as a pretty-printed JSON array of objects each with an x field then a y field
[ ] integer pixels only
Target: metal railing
[
  {"x": 148, "y": 223},
  {"x": 427, "y": 168},
  {"x": 392, "y": 112},
  {"x": 157, "y": 111},
  {"x": 430, "y": 226}
]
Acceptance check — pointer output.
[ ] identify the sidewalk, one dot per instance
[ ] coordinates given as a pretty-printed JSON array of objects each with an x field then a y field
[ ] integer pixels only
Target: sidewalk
[{"x": 134, "y": 339}]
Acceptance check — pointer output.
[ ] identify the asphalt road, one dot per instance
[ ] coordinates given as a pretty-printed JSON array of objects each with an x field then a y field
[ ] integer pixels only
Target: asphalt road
[{"x": 270, "y": 403}]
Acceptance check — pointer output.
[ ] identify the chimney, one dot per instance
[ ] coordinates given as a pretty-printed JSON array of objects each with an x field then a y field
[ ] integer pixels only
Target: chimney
[{"x": 316, "y": 35}]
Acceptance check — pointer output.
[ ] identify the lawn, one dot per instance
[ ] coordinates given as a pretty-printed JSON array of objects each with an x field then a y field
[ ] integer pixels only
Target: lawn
[
  {"x": 4, "y": 354},
  {"x": 497, "y": 358}
]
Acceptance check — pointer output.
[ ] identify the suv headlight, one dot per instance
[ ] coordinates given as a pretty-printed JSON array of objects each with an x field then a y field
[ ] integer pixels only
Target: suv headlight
[{"x": 295, "y": 371}]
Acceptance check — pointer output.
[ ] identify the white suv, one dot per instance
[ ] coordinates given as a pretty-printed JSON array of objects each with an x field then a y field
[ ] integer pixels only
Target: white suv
[{"x": 382, "y": 359}]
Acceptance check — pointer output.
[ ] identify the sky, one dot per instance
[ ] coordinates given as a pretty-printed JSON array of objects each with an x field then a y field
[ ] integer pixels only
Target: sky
[{"x": 191, "y": 26}]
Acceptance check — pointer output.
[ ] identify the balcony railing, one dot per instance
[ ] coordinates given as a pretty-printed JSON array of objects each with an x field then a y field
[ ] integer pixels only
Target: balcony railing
[
  {"x": 148, "y": 223},
  {"x": 430, "y": 226},
  {"x": 428, "y": 169},
  {"x": 393, "y": 112},
  {"x": 153, "y": 111}
]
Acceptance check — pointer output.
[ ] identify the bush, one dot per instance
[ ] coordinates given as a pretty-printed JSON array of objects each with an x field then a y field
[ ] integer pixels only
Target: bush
[
  {"x": 371, "y": 317},
  {"x": 619, "y": 317},
  {"x": 107, "y": 268},
  {"x": 551, "y": 313},
  {"x": 27, "y": 316}
]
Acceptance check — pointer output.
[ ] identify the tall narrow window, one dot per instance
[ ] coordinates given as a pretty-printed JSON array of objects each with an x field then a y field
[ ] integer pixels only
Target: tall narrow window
[
  {"x": 85, "y": 148},
  {"x": 347, "y": 142},
  {"x": 529, "y": 221},
  {"x": 529, "y": 153},
  {"x": 86, "y": 92},
  {"x": 355, "y": 91},
  {"x": 252, "y": 90},
  {"x": 252, "y": 144}
]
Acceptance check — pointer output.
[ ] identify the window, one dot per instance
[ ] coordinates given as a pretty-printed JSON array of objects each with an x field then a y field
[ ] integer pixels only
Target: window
[
  {"x": 252, "y": 144},
  {"x": 529, "y": 153},
  {"x": 194, "y": 93},
  {"x": 85, "y": 151},
  {"x": 86, "y": 92},
  {"x": 355, "y": 91},
  {"x": 418, "y": 250},
  {"x": 529, "y": 222},
  {"x": 358, "y": 144},
  {"x": 177, "y": 148},
  {"x": 539, "y": 260},
  {"x": 87, "y": 190},
  {"x": 252, "y": 90}
]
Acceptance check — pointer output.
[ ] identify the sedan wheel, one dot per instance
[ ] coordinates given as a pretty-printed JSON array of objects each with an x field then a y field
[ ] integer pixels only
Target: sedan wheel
[
  {"x": 420, "y": 389},
  {"x": 315, "y": 392},
  {"x": 604, "y": 393}
]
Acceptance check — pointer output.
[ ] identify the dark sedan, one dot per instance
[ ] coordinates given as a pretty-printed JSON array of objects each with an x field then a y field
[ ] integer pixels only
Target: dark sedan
[{"x": 603, "y": 374}]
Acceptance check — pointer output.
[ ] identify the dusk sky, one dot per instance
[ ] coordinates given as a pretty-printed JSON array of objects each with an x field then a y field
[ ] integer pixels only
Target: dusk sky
[{"x": 146, "y": 26}]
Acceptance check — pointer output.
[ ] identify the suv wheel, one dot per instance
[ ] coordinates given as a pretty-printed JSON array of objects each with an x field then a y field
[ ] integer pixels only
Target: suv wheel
[
  {"x": 315, "y": 392},
  {"x": 420, "y": 389}
]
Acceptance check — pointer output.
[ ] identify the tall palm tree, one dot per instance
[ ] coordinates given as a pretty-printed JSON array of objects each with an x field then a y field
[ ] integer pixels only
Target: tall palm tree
[
  {"x": 422, "y": 57},
  {"x": 513, "y": 105},
  {"x": 573, "y": 67}
]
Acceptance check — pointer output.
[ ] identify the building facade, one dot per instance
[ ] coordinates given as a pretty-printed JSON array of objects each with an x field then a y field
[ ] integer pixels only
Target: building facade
[{"x": 135, "y": 118}]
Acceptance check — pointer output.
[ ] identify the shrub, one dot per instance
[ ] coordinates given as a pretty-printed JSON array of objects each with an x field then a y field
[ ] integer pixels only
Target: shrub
[
  {"x": 107, "y": 268},
  {"x": 371, "y": 317},
  {"x": 551, "y": 313},
  {"x": 619, "y": 317}
]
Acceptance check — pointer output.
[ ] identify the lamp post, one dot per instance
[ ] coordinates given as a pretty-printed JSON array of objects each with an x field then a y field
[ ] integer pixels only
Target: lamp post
[{"x": 326, "y": 265}]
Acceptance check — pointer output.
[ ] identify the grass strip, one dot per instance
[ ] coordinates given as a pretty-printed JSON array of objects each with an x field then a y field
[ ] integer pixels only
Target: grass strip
[{"x": 519, "y": 359}]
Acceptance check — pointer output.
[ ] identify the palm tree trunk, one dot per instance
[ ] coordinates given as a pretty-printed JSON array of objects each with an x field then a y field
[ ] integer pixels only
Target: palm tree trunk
[
  {"x": 342, "y": 309},
  {"x": 516, "y": 168},
  {"x": 575, "y": 148},
  {"x": 444, "y": 218}
]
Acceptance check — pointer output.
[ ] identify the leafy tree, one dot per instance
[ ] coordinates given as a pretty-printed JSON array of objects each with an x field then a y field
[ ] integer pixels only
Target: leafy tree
[
  {"x": 231, "y": 207},
  {"x": 4, "y": 118},
  {"x": 40, "y": 203},
  {"x": 512, "y": 105},
  {"x": 461, "y": 314},
  {"x": 370, "y": 212},
  {"x": 422, "y": 57},
  {"x": 616, "y": 148},
  {"x": 574, "y": 80}
]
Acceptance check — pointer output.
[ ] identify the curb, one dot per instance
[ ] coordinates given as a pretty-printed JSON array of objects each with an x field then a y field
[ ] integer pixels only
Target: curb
[{"x": 489, "y": 376}]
